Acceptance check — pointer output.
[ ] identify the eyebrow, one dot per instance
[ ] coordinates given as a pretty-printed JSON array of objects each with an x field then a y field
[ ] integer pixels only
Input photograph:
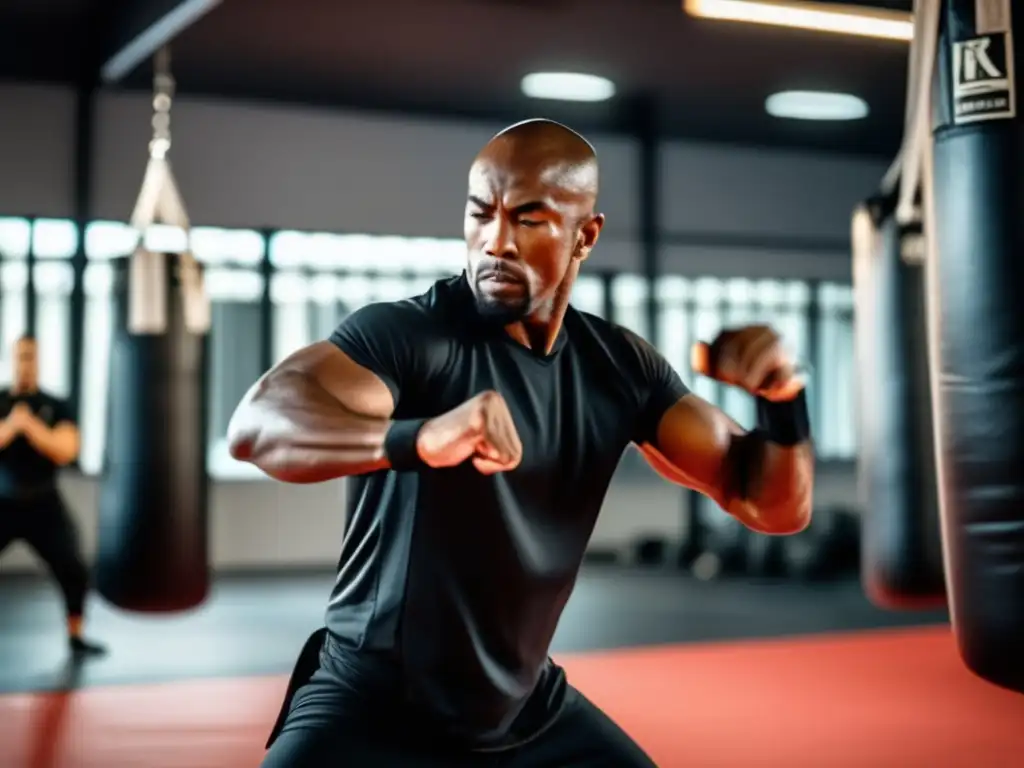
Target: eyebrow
[{"x": 529, "y": 207}]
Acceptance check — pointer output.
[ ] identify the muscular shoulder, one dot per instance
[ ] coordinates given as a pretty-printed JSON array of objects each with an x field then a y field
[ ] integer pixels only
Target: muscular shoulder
[
  {"x": 52, "y": 409},
  {"x": 40, "y": 398},
  {"x": 406, "y": 343}
]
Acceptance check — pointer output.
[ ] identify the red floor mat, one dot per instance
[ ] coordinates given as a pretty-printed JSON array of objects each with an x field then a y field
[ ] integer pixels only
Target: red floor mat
[{"x": 893, "y": 699}]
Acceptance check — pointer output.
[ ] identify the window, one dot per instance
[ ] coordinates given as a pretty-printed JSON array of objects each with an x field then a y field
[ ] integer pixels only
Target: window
[
  {"x": 588, "y": 295},
  {"x": 104, "y": 241},
  {"x": 234, "y": 281},
  {"x": 708, "y": 300},
  {"x": 95, "y": 364},
  {"x": 53, "y": 283},
  {"x": 835, "y": 370},
  {"x": 699, "y": 309},
  {"x": 320, "y": 278},
  {"x": 54, "y": 242},
  {"x": 54, "y": 239},
  {"x": 15, "y": 241},
  {"x": 317, "y": 279},
  {"x": 629, "y": 303},
  {"x": 692, "y": 310},
  {"x": 15, "y": 238}
]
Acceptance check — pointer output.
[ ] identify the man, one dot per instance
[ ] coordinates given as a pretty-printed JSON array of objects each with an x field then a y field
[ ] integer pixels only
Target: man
[
  {"x": 37, "y": 436},
  {"x": 488, "y": 417}
]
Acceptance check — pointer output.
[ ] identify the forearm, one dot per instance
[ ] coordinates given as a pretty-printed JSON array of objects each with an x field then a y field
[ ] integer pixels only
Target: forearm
[
  {"x": 295, "y": 431},
  {"x": 770, "y": 487},
  {"x": 58, "y": 445},
  {"x": 7, "y": 434}
]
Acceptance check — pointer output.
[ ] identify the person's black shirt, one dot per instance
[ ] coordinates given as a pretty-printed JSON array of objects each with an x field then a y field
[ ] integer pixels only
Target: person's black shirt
[
  {"x": 24, "y": 471},
  {"x": 460, "y": 578}
]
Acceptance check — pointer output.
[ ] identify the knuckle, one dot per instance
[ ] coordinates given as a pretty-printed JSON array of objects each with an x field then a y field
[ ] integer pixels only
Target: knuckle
[{"x": 489, "y": 398}]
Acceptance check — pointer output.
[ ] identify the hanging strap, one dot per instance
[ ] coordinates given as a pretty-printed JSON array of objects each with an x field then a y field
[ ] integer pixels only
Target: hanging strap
[
  {"x": 159, "y": 201},
  {"x": 918, "y": 123}
]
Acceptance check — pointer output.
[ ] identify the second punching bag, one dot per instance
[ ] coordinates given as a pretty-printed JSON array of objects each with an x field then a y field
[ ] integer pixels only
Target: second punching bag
[
  {"x": 901, "y": 548},
  {"x": 977, "y": 216},
  {"x": 153, "y": 539}
]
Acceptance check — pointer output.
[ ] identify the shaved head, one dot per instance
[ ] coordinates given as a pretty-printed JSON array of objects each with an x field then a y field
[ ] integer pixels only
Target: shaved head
[
  {"x": 559, "y": 155},
  {"x": 530, "y": 217}
]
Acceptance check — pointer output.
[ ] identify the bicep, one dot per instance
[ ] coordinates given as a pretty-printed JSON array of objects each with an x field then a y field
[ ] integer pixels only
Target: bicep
[
  {"x": 393, "y": 344},
  {"x": 66, "y": 430},
  {"x": 691, "y": 446},
  {"x": 63, "y": 416},
  {"x": 68, "y": 442},
  {"x": 365, "y": 364},
  {"x": 65, "y": 425}
]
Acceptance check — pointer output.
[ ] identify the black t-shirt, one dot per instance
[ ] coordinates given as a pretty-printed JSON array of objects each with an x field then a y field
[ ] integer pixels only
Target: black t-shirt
[
  {"x": 460, "y": 578},
  {"x": 24, "y": 470}
]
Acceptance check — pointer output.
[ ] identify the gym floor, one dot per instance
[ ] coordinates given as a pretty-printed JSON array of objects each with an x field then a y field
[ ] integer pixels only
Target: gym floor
[{"x": 702, "y": 674}]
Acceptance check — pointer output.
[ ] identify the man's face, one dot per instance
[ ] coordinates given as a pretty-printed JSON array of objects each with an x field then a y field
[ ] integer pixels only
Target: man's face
[
  {"x": 521, "y": 234},
  {"x": 26, "y": 364}
]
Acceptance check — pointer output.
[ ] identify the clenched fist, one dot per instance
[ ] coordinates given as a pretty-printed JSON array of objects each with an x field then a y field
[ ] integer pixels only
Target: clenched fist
[
  {"x": 752, "y": 358},
  {"x": 20, "y": 417},
  {"x": 481, "y": 429}
]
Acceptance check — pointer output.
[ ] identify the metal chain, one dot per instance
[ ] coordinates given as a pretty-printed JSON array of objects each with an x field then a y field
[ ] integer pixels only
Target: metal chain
[{"x": 163, "y": 97}]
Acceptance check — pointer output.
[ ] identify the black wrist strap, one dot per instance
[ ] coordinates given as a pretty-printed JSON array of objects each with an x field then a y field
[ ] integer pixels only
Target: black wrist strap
[
  {"x": 400, "y": 445},
  {"x": 784, "y": 423}
]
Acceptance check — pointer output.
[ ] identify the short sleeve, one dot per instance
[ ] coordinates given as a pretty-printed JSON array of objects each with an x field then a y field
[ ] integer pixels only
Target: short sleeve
[
  {"x": 657, "y": 385},
  {"x": 393, "y": 340}
]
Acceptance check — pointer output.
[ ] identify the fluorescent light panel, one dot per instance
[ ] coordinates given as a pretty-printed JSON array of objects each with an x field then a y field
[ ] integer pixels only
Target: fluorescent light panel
[
  {"x": 819, "y": 17},
  {"x": 567, "y": 86},
  {"x": 816, "y": 105}
]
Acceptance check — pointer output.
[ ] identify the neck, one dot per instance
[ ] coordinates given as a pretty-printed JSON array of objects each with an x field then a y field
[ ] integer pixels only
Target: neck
[
  {"x": 539, "y": 330},
  {"x": 22, "y": 389}
]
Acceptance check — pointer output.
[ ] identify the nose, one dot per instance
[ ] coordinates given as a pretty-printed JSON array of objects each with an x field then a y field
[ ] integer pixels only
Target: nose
[{"x": 500, "y": 242}]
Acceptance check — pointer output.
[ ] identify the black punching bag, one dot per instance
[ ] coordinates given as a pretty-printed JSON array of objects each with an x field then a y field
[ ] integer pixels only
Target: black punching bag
[
  {"x": 153, "y": 539},
  {"x": 901, "y": 545},
  {"x": 977, "y": 325}
]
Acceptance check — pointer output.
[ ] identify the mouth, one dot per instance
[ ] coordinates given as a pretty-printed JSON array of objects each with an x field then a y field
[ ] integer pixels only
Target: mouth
[{"x": 499, "y": 277}]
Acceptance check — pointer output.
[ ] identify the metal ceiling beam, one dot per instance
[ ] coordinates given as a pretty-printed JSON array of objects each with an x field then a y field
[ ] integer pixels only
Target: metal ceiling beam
[{"x": 142, "y": 27}]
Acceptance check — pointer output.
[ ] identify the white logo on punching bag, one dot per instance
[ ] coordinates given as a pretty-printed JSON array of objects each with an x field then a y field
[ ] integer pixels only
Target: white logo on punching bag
[
  {"x": 977, "y": 71},
  {"x": 983, "y": 82}
]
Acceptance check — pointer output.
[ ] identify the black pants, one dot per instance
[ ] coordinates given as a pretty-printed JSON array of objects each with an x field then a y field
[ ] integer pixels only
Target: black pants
[
  {"x": 581, "y": 737},
  {"x": 43, "y": 523}
]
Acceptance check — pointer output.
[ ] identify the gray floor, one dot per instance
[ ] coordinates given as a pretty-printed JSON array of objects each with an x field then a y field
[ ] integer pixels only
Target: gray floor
[{"x": 256, "y": 625}]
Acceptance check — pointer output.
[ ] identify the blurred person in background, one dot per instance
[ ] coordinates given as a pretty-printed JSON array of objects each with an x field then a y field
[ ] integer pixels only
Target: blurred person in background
[{"x": 38, "y": 436}]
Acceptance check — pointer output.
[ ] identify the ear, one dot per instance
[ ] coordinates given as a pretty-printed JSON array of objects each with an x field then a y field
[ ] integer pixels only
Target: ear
[{"x": 589, "y": 232}]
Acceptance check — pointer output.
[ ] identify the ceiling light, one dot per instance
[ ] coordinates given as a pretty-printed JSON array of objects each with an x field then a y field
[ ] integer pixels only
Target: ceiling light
[
  {"x": 567, "y": 86},
  {"x": 820, "y": 17},
  {"x": 816, "y": 105}
]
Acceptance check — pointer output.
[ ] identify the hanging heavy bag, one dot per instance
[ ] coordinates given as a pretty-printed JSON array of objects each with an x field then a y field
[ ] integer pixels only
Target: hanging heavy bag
[
  {"x": 977, "y": 322},
  {"x": 153, "y": 553},
  {"x": 901, "y": 556}
]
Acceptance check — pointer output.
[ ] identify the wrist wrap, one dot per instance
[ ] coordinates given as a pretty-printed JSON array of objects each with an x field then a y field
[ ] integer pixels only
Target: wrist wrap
[
  {"x": 785, "y": 423},
  {"x": 400, "y": 445}
]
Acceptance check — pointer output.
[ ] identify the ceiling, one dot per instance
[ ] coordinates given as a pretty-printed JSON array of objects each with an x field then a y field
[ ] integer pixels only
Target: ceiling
[{"x": 693, "y": 78}]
